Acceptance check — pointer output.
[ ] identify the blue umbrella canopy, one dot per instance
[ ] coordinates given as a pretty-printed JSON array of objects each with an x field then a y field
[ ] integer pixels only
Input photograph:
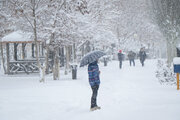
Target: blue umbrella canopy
[{"x": 91, "y": 57}]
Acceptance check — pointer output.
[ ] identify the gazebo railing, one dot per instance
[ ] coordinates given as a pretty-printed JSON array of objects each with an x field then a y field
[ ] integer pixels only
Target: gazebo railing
[{"x": 27, "y": 66}]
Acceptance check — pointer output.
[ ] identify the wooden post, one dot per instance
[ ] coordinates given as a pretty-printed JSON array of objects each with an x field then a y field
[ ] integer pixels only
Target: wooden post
[
  {"x": 33, "y": 50},
  {"x": 7, "y": 54},
  {"x": 15, "y": 51},
  {"x": 23, "y": 50},
  {"x": 177, "y": 81}
]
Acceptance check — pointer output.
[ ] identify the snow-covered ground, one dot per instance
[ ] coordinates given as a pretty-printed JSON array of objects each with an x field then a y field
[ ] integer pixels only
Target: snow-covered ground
[{"x": 131, "y": 93}]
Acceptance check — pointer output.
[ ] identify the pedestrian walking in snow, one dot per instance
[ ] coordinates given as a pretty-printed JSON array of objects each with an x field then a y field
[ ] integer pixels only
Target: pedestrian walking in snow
[
  {"x": 131, "y": 56},
  {"x": 94, "y": 81},
  {"x": 142, "y": 55},
  {"x": 120, "y": 58}
]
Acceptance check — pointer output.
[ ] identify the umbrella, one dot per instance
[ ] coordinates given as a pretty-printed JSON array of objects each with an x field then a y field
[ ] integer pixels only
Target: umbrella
[{"x": 91, "y": 57}]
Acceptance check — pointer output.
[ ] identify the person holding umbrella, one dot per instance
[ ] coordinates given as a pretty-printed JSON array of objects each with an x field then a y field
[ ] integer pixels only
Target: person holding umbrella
[
  {"x": 91, "y": 59},
  {"x": 94, "y": 81}
]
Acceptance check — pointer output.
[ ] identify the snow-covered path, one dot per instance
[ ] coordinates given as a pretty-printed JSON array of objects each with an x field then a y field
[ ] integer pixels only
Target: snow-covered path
[{"x": 131, "y": 93}]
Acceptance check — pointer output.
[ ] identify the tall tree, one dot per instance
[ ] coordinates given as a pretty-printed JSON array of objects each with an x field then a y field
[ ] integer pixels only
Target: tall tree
[
  {"x": 53, "y": 21},
  {"x": 26, "y": 14},
  {"x": 167, "y": 16},
  {"x": 6, "y": 26}
]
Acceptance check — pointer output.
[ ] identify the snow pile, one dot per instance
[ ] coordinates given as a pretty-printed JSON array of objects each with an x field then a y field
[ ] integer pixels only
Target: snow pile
[{"x": 165, "y": 74}]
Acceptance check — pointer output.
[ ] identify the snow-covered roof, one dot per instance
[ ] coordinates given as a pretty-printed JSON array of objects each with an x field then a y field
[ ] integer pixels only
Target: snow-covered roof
[{"x": 17, "y": 37}]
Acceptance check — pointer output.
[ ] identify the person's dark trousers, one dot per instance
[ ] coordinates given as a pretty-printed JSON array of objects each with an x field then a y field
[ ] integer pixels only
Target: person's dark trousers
[
  {"x": 132, "y": 61},
  {"x": 94, "y": 95},
  {"x": 142, "y": 62},
  {"x": 120, "y": 64}
]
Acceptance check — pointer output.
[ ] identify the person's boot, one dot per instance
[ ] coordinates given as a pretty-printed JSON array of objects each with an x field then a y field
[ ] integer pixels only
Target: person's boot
[{"x": 95, "y": 108}]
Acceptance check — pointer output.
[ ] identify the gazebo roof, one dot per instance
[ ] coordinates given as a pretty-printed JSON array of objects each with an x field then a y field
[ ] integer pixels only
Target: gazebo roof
[{"x": 17, "y": 37}]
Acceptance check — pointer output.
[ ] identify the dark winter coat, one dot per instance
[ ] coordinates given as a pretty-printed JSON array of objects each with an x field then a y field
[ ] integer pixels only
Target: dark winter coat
[
  {"x": 131, "y": 55},
  {"x": 120, "y": 56},
  {"x": 142, "y": 55},
  {"x": 93, "y": 71}
]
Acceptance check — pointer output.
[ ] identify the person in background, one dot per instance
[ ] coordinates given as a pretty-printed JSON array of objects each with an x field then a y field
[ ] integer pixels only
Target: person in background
[
  {"x": 94, "y": 81},
  {"x": 120, "y": 58},
  {"x": 131, "y": 56},
  {"x": 142, "y": 55}
]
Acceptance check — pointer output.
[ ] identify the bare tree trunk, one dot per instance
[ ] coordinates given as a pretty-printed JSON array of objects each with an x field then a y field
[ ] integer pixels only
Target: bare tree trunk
[
  {"x": 7, "y": 54},
  {"x": 74, "y": 52},
  {"x": 67, "y": 60},
  {"x": 168, "y": 50},
  {"x": 171, "y": 49},
  {"x": 83, "y": 51},
  {"x": 15, "y": 51},
  {"x": 56, "y": 66},
  {"x": 47, "y": 53},
  {"x": 2, "y": 59},
  {"x": 175, "y": 38},
  {"x": 41, "y": 67},
  {"x": 61, "y": 54},
  {"x": 47, "y": 59}
]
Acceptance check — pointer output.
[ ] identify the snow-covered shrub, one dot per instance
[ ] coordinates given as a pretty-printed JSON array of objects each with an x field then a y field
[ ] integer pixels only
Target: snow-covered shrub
[{"x": 165, "y": 74}]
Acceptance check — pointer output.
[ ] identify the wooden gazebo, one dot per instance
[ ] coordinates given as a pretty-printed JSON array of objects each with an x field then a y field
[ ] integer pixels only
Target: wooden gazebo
[{"x": 18, "y": 53}]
